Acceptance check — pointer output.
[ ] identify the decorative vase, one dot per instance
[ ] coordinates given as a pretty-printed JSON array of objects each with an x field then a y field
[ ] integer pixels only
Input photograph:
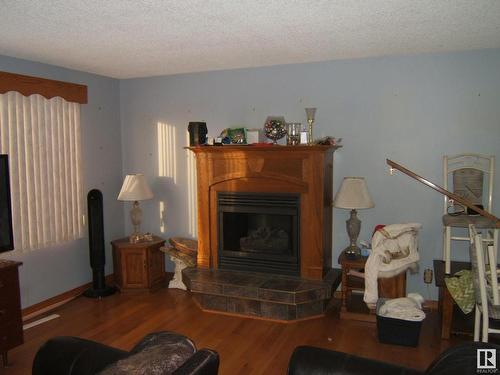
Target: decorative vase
[{"x": 275, "y": 128}]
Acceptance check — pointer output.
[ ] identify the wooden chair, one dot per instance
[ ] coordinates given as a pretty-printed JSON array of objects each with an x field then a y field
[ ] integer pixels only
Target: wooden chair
[
  {"x": 483, "y": 272},
  {"x": 471, "y": 176}
]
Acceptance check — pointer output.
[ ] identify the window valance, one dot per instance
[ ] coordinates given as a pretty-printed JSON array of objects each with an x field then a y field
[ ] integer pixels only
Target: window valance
[{"x": 47, "y": 88}]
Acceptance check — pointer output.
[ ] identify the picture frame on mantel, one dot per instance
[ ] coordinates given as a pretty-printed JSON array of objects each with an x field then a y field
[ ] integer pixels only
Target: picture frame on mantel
[{"x": 238, "y": 136}]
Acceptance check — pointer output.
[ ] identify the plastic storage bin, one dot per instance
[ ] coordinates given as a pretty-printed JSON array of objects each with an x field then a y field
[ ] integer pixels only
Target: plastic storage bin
[{"x": 397, "y": 331}]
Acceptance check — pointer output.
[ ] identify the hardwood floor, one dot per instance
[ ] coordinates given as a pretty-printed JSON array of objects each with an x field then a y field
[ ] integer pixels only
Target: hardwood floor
[{"x": 245, "y": 346}]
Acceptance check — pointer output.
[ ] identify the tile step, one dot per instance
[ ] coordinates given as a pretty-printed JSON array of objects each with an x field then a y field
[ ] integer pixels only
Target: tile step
[{"x": 276, "y": 297}]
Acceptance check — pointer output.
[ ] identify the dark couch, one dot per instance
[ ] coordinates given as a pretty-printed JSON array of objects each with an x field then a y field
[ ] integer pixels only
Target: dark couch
[
  {"x": 458, "y": 360},
  {"x": 158, "y": 353}
]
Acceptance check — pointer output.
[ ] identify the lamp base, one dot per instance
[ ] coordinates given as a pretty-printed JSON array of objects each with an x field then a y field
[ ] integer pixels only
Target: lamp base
[
  {"x": 135, "y": 238},
  {"x": 352, "y": 252},
  {"x": 136, "y": 218},
  {"x": 353, "y": 226},
  {"x": 139, "y": 237}
]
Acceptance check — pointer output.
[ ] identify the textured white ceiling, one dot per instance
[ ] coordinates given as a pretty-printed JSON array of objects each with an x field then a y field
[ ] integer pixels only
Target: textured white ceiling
[{"x": 137, "y": 38}]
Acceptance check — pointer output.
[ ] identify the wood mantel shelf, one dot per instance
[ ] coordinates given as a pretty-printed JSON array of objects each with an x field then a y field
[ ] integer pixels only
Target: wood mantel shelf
[
  {"x": 304, "y": 170},
  {"x": 270, "y": 148}
]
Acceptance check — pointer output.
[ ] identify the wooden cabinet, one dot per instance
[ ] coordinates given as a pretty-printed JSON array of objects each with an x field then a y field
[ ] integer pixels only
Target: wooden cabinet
[
  {"x": 138, "y": 266},
  {"x": 11, "y": 324}
]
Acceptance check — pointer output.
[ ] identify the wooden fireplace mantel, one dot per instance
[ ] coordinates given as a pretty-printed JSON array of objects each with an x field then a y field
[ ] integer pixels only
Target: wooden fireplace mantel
[{"x": 305, "y": 170}]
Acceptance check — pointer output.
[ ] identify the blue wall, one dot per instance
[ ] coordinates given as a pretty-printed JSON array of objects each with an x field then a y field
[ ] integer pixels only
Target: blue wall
[
  {"x": 412, "y": 109},
  {"x": 50, "y": 271}
]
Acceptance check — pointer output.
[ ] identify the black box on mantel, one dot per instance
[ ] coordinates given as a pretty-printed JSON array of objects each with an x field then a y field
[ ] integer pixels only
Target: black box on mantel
[
  {"x": 397, "y": 331},
  {"x": 197, "y": 133}
]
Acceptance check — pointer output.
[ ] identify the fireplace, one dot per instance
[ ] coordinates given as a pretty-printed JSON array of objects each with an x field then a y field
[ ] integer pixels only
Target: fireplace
[
  {"x": 300, "y": 178},
  {"x": 264, "y": 231},
  {"x": 259, "y": 232}
]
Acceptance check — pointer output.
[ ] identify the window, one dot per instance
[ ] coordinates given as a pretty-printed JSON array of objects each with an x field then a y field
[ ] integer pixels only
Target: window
[{"x": 42, "y": 138}]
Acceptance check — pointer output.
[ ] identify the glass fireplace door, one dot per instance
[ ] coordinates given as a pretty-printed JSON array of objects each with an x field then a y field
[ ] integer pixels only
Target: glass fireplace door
[{"x": 259, "y": 232}]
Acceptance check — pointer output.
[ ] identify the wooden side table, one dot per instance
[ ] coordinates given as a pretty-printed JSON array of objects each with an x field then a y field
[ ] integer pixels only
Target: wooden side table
[
  {"x": 138, "y": 266},
  {"x": 351, "y": 308},
  {"x": 446, "y": 304}
]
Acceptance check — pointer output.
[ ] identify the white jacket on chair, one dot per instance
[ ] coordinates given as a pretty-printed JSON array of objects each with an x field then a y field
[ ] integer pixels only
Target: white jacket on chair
[{"x": 394, "y": 250}]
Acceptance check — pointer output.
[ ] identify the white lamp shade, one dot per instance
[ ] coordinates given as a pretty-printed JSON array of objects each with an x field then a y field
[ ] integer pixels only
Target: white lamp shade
[
  {"x": 353, "y": 194},
  {"x": 135, "y": 188}
]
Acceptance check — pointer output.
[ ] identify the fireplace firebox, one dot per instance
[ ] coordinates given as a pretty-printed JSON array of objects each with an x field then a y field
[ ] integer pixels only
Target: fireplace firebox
[{"x": 259, "y": 232}]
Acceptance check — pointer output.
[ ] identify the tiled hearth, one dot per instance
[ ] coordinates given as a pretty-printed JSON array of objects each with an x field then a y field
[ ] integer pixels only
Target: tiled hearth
[
  {"x": 261, "y": 295},
  {"x": 264, "y": 231}
]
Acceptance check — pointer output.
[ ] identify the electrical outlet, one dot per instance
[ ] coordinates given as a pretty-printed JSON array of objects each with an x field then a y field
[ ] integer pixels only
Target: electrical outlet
[{"x": 428, "y": 276}]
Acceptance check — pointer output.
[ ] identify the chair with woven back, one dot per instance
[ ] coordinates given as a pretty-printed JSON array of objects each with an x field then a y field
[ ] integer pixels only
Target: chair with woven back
[{"x": 471, "y": 177}]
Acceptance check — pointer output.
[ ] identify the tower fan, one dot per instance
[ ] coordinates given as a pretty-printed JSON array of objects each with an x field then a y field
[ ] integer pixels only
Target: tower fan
[{"x": 96, "y": 247}]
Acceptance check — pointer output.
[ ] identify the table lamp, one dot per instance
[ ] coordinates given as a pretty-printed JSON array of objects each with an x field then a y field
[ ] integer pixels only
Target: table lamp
[
  {"x": 353, "y": 195},
  {"x": 135, "y": 188}
]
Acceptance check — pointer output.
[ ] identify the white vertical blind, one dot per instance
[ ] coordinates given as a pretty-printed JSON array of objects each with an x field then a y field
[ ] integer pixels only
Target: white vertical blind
[{"x": 42, "y": 139}]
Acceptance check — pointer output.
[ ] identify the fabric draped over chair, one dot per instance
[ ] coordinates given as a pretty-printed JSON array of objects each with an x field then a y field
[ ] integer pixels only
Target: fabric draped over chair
[{"x": 394, "y": 250}]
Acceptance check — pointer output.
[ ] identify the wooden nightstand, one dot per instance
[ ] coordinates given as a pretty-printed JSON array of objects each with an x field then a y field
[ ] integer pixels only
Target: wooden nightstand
[
  {"x": 353, "y": 307},
  {"x": 138, "y": 266}
]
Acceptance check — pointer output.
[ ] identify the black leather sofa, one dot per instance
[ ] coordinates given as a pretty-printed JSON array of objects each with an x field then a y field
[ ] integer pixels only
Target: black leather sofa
[
  {"x": 458, "y": 360},
  {"x": 158, "y": 353}
]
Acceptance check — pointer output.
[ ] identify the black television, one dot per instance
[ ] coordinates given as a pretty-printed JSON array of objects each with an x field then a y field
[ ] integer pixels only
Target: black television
[{"x": 6, "y": 235}]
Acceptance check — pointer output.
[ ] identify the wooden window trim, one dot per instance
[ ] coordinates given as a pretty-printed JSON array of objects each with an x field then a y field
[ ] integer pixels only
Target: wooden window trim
[{"x": 48, "y": 88}]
